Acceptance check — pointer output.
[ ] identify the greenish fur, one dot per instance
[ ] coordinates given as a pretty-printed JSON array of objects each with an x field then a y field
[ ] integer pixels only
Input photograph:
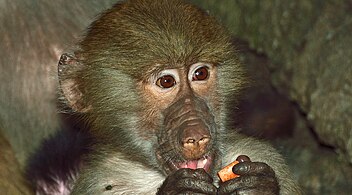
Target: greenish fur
[
  {"x": 138, "y": 42},
  {"x": 121, "y": 50}
]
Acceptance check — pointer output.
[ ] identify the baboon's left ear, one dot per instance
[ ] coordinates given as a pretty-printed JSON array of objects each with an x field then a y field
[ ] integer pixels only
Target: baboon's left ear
[{"x": 68, "y": 66}]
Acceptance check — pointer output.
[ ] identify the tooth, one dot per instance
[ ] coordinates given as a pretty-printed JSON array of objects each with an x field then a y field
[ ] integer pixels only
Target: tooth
[
  {"x": 205, "y": 161},
  {"x": 201, "y": 163}
]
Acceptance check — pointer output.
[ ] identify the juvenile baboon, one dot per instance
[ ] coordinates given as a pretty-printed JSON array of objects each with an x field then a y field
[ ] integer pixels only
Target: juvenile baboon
[{"x": 152, "y": 80}]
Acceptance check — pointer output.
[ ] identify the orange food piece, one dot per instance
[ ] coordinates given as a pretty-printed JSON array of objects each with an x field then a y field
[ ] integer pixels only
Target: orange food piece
[{"x": 226, "y": 173}]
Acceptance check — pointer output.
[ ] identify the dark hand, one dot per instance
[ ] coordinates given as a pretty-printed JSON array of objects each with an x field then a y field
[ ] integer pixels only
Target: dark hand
[
  {"x": 188, "y": 181},
  {"x": 256, "y": 178}
]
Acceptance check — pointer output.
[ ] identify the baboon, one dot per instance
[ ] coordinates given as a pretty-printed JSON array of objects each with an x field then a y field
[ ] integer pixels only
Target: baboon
[{"x": 151, "y": 82}]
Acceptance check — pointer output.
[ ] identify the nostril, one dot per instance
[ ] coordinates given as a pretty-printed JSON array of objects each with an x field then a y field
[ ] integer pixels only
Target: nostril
[
  {"x": 204, "y": 140},
  {"x": 190, "y": 141},
  {"x": 194, "y": 141}
]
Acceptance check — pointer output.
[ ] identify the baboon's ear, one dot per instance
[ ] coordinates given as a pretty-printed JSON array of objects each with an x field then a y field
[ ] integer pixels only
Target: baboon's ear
[{"x": 68, "y": 67}]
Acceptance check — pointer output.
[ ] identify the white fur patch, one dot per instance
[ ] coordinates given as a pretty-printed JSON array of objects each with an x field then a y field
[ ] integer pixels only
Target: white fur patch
[{"x": 124, "y": 176}]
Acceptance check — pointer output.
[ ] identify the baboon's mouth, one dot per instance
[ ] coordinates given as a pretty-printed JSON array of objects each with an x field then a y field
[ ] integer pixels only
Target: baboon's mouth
[{"x": 202, "y": 163}]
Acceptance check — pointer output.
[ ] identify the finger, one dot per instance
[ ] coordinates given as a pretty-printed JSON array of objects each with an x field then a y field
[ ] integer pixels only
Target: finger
[
  {"x": 252, "y": 190},
  {"x": 262, "y": 190},
  {"x": 248, "y": 182},
  {"x": 183, "y": 173},
  {"x": 252, "y": 168},
  {"x": 199, "y": 174},
  {"x": 245, "y": 191},
  {"x": 237, "y": 183},
  {"x": 243, "y": 158},
  {"x": 195, "y": 186}
]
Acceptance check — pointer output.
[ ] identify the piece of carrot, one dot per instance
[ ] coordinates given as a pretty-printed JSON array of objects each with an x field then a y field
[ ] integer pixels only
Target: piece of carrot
[{"x": 226, "y": 173}]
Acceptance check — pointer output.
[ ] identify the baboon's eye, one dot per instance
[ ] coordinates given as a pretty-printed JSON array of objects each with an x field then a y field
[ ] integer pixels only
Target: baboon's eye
[
  {"x": 166, "y": 81},
  {"x": 200, "y": 74}
]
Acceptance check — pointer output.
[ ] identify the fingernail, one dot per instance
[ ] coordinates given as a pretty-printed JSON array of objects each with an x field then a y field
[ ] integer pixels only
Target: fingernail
[{"x": 240, "y": 169}]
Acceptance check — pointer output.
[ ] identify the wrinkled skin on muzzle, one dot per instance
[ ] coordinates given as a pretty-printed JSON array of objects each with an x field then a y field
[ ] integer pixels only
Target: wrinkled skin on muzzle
[{"x": 187, "y": 136}]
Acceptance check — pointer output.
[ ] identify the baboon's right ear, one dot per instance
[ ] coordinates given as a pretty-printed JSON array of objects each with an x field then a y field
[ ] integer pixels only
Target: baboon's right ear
[{"x": 68, "y": 67}]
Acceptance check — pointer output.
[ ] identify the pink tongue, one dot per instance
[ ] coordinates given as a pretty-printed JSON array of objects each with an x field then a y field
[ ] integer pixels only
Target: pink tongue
[{"x": 192, "y": 164}]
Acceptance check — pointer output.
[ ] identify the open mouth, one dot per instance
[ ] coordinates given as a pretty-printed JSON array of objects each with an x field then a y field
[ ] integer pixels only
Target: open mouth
[
  {"x": 202, "y": 163},
  {"x": 173, "y": 164}
]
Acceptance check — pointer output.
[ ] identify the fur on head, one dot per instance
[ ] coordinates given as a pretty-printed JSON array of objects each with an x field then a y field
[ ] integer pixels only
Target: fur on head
[{"x": 123, "y": 48}]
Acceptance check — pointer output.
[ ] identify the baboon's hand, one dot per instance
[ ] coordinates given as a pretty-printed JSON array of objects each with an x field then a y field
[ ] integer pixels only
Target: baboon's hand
[
  {"x": 188, "y": 181},
  {"x": 256, "y": 178}
]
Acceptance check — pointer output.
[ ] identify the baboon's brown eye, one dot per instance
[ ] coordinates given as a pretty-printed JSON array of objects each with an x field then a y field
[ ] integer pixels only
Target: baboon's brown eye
[
  {"x": 200, "y": 74},
  {"x": 166, "y": 81}
]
